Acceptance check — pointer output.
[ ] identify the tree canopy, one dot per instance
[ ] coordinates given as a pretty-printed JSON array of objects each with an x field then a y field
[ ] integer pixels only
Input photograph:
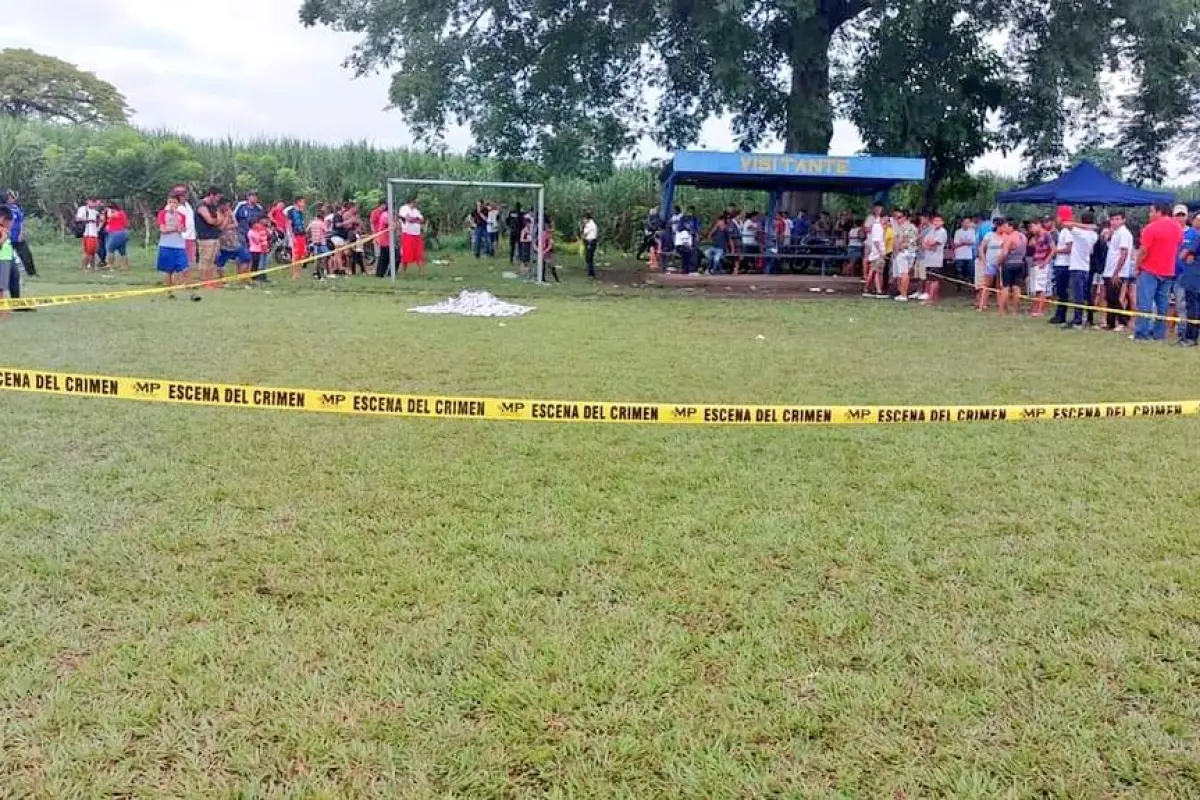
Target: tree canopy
[
  {"x": 37, "y": 86},
  {"x": 574, "y": 85}
]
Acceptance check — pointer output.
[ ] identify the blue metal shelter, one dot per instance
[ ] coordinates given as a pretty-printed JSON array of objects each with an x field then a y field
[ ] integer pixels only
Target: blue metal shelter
[{"x": 776, "y": 173}]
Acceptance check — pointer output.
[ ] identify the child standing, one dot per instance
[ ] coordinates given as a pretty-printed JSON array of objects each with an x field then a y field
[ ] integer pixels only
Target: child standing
[
  {"x": 8, "y": 257},
  {"x": 318, "y": 239},
  {"x": 547, "y": 248},
  {"x": 259, "y": 241},
  {"x": 173, "y": 260},
  {"x": 525, "y": 243}
]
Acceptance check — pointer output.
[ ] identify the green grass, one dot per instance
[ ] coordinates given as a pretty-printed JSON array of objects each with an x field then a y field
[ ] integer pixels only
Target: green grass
[{"x": 209, "y": 602}]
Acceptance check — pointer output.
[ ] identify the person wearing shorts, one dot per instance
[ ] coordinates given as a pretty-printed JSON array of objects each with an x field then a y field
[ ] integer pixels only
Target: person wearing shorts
[
  {"x": 173, "y": 261},
  {"x": 118, "y": 237},
  {"x": 1012, "y": 266},
  {"x": 87, "y": 217},
  {"x": 318, "y": 240},
  {"x": 230, "y": 247},
  {"x": 1042, "y": 232},
  {"x": 905, "y": 253},
  {"x": 987, "y": 266},
  {"x": 208, "y": 234}
]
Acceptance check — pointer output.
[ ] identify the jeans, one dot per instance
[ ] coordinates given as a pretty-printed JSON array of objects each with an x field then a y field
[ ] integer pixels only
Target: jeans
[
  {"x": 1081, "y": 284},
  {"x": 481, "y": 241},
  {"x": 589, "y": 254},
  {"x": 1179, "y": 294},
  {"x": 1192, "y": 304},
  {"x": 14, "y": 282},
  {"x": 1153, "y": 297},
  {"x": 1062, "y": 284},
  {"x": 715, "y": 254}
]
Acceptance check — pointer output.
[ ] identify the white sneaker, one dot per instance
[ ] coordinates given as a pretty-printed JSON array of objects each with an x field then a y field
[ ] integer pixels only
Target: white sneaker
[
  {"x": 865, "y": 294},
  {"x": 923, "y": 296},
  {"x": 901, "y": 298}
]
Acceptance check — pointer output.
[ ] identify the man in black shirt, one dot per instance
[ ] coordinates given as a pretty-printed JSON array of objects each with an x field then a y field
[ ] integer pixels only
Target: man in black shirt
[{"x": 513, "y": 222}]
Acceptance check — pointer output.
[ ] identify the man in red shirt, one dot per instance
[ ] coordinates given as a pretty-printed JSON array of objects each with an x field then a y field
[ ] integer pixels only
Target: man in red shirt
[{"x": 1155, "y": 267}]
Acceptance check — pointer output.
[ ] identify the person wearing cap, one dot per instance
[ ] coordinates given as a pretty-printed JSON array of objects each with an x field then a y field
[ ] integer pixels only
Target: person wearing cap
[
  {"x": 1062, "y": 266},
  {"x": 1155, "y": 268},
  {"x": 1178, "y": 294}
]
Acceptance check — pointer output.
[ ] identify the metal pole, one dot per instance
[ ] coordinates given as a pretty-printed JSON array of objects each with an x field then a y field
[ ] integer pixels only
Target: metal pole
[
  {"x": 541, "y": 214},
  {"x": 391, "y": 231}
]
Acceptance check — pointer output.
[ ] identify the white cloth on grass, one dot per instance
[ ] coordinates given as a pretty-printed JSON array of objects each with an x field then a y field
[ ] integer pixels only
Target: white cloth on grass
[{"x": 475, "y": 304}]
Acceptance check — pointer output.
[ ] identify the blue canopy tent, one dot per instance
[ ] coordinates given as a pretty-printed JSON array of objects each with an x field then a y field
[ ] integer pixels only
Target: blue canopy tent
[{"x": 1082, "y": 185}]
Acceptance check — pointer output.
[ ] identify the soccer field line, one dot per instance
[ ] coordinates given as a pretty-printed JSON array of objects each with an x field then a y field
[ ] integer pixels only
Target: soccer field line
[{"x": 379, "y": 404}]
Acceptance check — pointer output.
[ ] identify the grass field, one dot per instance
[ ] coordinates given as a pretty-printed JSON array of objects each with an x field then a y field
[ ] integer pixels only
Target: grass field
[{"x": 207, "y": 602}]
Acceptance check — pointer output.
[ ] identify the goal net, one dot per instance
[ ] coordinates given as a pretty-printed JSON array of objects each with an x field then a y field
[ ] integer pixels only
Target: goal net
[{"x": 397, "y": 186}]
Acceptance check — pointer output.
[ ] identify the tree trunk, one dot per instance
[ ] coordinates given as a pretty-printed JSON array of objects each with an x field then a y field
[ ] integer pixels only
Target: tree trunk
[
  {"x": 809, "y": 111},
  {"x": 933, "y": 184}
]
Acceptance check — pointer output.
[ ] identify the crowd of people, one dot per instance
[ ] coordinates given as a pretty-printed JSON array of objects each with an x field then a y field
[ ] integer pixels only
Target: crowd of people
[{"x": 1074, "y": 265}]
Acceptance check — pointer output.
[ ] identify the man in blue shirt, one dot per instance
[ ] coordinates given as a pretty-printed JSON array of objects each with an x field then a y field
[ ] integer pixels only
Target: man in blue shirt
[
  {"x": 248, "y": 212},
  {"x": 1187, "y": 278}
]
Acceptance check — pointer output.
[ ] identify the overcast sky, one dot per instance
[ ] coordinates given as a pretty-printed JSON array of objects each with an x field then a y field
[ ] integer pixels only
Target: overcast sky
[{"x": 248, "y": 68}]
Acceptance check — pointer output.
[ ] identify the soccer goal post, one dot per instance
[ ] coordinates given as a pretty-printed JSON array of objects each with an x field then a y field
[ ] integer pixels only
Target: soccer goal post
[{"x": 537, "y": 221}]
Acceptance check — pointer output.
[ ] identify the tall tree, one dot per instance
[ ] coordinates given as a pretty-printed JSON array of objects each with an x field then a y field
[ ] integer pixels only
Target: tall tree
[
  {"x": 920, "y": 79},
  {"x": 572, "y": 85},
  {"x": 38, "y": 86}
]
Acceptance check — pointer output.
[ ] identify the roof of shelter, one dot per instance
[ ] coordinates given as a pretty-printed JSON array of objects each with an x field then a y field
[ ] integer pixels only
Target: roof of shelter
[
  {"x": 790, "y": 171},
  {"x": 1085, "y": 184}
]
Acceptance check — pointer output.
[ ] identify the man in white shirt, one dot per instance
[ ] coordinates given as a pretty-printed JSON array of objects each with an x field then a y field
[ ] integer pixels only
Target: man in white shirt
[
  {"x": 87, "y": 218},
  {"x": 1118, "y": 270},
  {"x": 1062, "y": 274},
  {"x": 590, "y": 234},
  {"x": 874, "y": 257},
  {"x": 1083, "y": 240}
]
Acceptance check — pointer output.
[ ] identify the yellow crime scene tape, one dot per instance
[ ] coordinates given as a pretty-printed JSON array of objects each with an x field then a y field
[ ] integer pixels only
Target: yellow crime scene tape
[
  {"x": 349, "y": 401},
  {"x": 151, "y": 291},
  {"x": 1050, "y": 301}
]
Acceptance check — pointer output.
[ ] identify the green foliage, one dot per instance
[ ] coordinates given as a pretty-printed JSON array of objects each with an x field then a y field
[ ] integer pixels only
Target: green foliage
[
  {"x": 569, "y": 85},
  {"x": 947, "y": 81},
  {"x": 36, "y": 86}
]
